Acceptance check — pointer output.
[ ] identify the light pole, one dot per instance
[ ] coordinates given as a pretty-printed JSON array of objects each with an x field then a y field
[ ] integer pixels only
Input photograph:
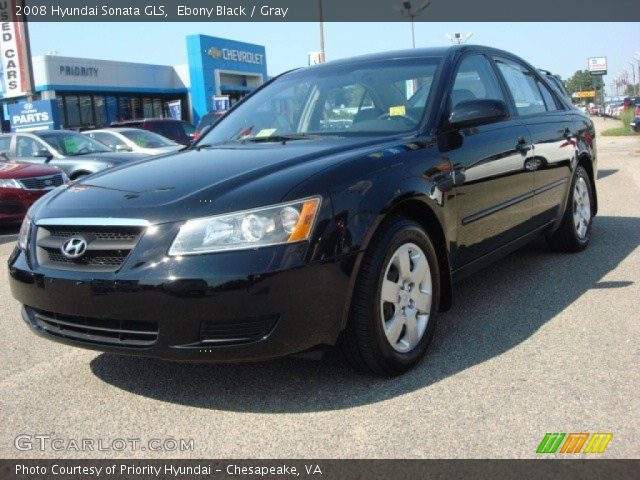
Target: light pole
[
  {"x": 457, "y": 37},
  {"x": 321, "y": 31},
  {"x": 633, "y": 76},
  {"x": 406, "y": 10}
]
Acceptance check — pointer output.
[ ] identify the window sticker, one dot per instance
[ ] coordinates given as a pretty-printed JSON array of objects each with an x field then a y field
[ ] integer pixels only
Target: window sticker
[
  {"x": 265, "y": 132},
  {"x": 397, "y": 111},
  {"x": 70, "y": 145}
]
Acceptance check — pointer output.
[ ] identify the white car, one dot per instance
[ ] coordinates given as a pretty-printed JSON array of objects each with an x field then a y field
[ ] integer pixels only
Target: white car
[{"x": 134, "y": 140}]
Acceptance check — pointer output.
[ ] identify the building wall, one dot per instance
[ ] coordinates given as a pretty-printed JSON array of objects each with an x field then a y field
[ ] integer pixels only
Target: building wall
[
  {"x": 209, "y": 57},
  {"x": 52, "y": 72}
]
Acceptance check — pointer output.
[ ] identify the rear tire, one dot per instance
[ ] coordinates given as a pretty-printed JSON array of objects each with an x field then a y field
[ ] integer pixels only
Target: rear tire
[
  {"x": 395, "y": 300},
  {"x": 574, "y": 232}
]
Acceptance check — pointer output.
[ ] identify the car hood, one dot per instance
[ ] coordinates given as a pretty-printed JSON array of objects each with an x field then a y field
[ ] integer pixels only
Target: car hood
[
  {"x": 24, "y": 170},
  {"x": 196, "y": 183},
  {"x": 162, "y": 150}
]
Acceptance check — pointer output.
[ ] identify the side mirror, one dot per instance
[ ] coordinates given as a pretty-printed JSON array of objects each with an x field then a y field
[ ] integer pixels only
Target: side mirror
[
  {"x": 472, "y": 113},
  {"x": 44, "y": 153},
  {"x": 123, "y": 148}
]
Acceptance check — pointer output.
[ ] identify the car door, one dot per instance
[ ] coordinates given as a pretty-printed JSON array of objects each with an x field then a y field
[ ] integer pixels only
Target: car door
[
  {"x": 27, "y": 149},
  {"x": 550, "y": 126},
  {"x": 492, "y": 184}
]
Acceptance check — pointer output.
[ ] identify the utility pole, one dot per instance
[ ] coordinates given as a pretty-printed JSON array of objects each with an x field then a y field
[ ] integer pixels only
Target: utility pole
[{"x": 321, "y": 32}]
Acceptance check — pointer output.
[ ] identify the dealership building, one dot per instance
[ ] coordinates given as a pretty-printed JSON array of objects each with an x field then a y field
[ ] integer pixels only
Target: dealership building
[{"x": 90, "y": 93}]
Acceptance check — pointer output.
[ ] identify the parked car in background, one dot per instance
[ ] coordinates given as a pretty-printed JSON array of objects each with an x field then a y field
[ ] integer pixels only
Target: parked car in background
[
  {"x": 594, "y": 109},
  {"x": 281, "y": 230},
  {"x": 177, "y": 130},
  {"x": 134, "y": 140},
  {"x": 206, "y": 121},
  {"x": 635, "y": 123},
  {"x": 21, "y": 184},
  {"x": 77, "y": 155}
]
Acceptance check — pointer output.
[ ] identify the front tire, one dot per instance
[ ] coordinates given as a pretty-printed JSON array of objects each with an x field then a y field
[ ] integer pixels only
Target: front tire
[
  {"x": 395, "y": 300},
  {"x": 574, "y": 232}
]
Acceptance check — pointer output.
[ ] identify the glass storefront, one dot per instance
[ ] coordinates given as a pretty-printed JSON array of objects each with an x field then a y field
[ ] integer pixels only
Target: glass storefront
[{"x": 81, "y": 111}]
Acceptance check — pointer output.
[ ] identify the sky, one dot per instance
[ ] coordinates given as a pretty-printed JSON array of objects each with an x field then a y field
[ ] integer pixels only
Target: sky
[{"x": 562, "y": 48}]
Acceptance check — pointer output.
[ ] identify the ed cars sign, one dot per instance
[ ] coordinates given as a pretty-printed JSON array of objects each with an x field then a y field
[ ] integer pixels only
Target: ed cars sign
[{"x": 15, "y": 61}]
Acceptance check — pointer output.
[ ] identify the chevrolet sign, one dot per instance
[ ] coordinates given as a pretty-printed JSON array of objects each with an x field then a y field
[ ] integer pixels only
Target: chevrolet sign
[{"x": 236, "y": 55}]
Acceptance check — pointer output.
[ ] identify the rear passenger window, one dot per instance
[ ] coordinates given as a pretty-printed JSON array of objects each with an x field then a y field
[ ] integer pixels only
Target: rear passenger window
[
  {"x": 549, "y": 100},
  {"x": 475, "y": 80},
  {"x": 522, "y": 84}
]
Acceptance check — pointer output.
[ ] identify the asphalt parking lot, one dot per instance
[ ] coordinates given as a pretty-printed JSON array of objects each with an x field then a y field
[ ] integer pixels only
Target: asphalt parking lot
[{"x": 539, "y": 342}]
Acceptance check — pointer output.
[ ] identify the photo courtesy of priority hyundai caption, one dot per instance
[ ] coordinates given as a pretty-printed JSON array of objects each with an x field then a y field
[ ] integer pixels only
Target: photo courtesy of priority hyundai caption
[{"x": 334, "y": 205}]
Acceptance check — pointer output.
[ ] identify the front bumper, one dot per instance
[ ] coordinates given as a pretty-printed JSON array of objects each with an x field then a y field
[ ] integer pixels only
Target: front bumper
[{"x": 184, "y": 298}]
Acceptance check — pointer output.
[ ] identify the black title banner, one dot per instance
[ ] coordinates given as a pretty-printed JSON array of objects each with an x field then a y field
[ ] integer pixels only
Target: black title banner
[
  {"x": 318, "y": 469},
  {"x": 326, "y": 10}
]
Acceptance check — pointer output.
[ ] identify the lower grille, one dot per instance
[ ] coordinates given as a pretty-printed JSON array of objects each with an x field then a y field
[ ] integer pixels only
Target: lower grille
[
  {"x": 242, "y": 330},
  {"x": 42, "y": 183},
  {"x": 125, "y": 333},
  {"x": 107, "y": 247}
]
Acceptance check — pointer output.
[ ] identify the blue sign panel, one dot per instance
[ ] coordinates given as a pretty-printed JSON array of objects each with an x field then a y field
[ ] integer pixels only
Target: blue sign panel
[
  {"x": 32, "y": 116},
  {"x": 221, "y": 103},
  {"x": 218, "y": 66}
]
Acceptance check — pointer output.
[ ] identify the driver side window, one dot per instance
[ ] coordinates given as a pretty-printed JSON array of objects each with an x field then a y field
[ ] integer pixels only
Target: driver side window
[
  {"x": 474, "y": 80},
  {"x": 26, "y": 147}
]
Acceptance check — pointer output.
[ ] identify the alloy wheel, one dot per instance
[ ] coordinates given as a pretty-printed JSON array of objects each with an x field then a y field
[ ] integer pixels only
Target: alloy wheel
[
  {"x": 405, "y": 297},
  {"x": 581, "y": 207}
]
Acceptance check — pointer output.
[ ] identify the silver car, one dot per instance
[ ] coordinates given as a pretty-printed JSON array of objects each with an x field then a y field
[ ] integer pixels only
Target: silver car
[
  {"x": 134, "y": 140},
  {"x": 75, "y": 154}
]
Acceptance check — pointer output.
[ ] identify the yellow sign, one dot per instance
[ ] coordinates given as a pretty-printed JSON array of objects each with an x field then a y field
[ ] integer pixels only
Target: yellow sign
[
  {"x": 397, "y": 111},
  {"x": 587, "y": 94}
]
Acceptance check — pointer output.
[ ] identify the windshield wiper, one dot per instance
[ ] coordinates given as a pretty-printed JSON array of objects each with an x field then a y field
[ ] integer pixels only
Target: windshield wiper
[{"x": 280, "y": 138}]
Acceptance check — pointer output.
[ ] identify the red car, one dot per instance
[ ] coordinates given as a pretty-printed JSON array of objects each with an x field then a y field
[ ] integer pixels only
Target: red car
[{"x": 21, "y": 184}]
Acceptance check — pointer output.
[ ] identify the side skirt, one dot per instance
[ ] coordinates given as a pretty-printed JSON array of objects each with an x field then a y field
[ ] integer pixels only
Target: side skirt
[{"x": 504, "y": 250}]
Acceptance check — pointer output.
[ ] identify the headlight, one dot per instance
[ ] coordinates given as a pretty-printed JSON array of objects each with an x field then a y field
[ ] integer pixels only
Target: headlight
[
  {"x": 10, "y": 183},
  {"x": 277, "y": 224},
  {"x": 23, "y": 235}
]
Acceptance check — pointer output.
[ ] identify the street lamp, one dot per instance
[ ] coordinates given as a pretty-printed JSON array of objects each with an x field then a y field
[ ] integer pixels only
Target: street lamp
[
  {"x": 457, "y": 37},
  {"x": 321, "y": 31},
  {"x": 406, "y": 10}
]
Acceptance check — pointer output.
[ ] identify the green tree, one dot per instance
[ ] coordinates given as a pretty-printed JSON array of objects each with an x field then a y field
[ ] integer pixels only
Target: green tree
[{"x": 582, "y": 81}]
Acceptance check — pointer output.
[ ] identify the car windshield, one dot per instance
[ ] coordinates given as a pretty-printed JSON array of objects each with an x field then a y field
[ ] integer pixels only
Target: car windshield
[
  {"x": 146, "y": 139},
  {"x": 70, "y": 144},
  {"x": 364, "y": 98}
]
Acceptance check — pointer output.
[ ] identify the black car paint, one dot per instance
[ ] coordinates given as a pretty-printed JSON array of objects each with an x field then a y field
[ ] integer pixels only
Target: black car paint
[{"x": 480, "y": 192}]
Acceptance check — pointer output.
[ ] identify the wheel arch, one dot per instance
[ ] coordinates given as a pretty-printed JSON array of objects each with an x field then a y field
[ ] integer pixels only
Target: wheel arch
[
  {"x": 79, "y": 173},
  {"x": 417, "y": 209}
]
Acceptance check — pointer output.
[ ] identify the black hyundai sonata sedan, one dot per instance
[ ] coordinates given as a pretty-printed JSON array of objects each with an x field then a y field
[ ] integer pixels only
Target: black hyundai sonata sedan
[{"x": 336, "y": 205}]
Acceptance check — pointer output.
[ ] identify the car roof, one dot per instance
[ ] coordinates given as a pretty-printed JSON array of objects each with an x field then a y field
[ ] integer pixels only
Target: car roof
[
  {"x": 145, "y": 120},
  {"x": 117, "y": 130},
  {"x": 411, "y": 53}
]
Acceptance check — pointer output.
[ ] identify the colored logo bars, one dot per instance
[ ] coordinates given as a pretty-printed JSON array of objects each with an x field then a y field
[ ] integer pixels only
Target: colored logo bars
[{"x": 573, "y": 442}]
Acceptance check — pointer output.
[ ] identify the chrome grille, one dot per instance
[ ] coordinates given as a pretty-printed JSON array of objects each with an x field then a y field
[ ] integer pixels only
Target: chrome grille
[
  {"x": 125, "y": 333},
  {"x": 107, "y": 247},
  {"x": 47, "y": 182}
]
